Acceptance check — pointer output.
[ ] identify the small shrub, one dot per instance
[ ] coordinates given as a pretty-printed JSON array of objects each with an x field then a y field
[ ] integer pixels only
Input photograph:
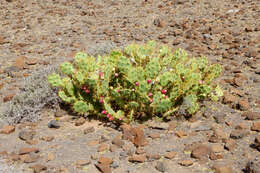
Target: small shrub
[{"x": 139, "y": 82}]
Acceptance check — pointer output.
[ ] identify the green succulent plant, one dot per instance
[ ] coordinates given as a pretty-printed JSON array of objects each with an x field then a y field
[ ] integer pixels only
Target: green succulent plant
[{"x": 140, "y": 81}]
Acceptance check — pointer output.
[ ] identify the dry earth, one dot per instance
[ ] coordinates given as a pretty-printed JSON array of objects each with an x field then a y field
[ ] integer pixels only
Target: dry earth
[{"x": 223, "y": 137}]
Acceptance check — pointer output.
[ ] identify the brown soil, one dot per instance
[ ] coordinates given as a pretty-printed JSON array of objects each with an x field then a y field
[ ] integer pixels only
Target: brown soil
[{"x": 223, "y": 136}]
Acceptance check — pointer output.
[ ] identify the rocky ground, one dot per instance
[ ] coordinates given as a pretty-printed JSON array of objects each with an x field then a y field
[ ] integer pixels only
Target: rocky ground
[{"x": 223, "y": 137}]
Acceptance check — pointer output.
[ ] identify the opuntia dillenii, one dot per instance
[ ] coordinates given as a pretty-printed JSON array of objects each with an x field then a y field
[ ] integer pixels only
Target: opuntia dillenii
[
  {"x": 164, "y": 91},
  {"x": 149, "y": 81},
  {"x": 201, "y": 82},
  {"x": 120, "y": 119},
  {"x": 111, "y": 118},
  {"x": 150, "y": 94},
  {"x": 101, "y": 101},
  {"x": 101, "y": 74},
  {"x": 108, "y": 115},
  {"x": 104, "y": 112},
  {"x": 166, "y": 97},
  {"x": 151, "y": 100},
  {"x": 182, "y": 78},
  {"x": 87, "y": 91},
  {"x": 137, "y": 83},
  {"x": 118, "y": 91},
  {"x": 116, "y": 74}
]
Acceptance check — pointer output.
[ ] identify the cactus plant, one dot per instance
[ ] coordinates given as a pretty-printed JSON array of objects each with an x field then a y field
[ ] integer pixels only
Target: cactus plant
[{"x": 142, "y": 80}]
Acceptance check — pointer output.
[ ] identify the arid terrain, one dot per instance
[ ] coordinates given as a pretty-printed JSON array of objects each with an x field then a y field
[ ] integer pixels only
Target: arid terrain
[{"x": 36, "y": 35}]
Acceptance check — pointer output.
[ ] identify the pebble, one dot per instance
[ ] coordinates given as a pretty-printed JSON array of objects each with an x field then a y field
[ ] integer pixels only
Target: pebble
[
  {"x": 7, "y": 129},
  {"x": 54, "y": 124},
  {"x": 161, "y": 166}
]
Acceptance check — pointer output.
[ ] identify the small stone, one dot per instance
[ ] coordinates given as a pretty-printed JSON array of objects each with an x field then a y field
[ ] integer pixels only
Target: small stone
[
  {"x": 26, "y": 135},
  {"x": 140, "y": 150},
  {"x": 200, "y": 152},
  {"x": 257, "y": 142},
  {"x": 238, "y": 134},
  {"x": 89, "y": 130},
  {"x": 256, "y": 126},
  {"x": 243, "y": 105},
  {"x": 81, "y": 163},
  {"x": 251, "y": 115},
  {"x": 37, "y": 168},
  {"x": 217, "y": 148},
  {"x": 104, "y": 168},
  {"x": 139, "y": 139},
  {"x": 253, "y": 166},
  {"x": 31, "y": 61},
  {"x": 114, "y": 164},
  {"x": 50, "y": 157},
  {"x": 118, "y": 141},
  {"x": 154, "y": 135},
  {"x": 14, "y": 157},
  {"x": 47, "y": 138},
  {"x": 230, "y": 144},
  {"x": 93, "y": 143},
  {"x": 80, "y": 121},
  {"x": 180, "y": 133},
  {"x": 159, "y": 23},
  {"x": 186, "y": 162},
  {"x": 7, "y": 129},
  {"x": 28, "y": 150},
  {"x": 29, "y": 158},
  {"x": 20, "y": 62},
  {"x": 105, "y": 160},
  {"x": 32, "y": 142},
  {"x": 60, "y": 113},
  {"x": 222, "y": 169},
  {"x": 170, "y": 155},
  {"x": 102, "y": 147},
  {"x": 53, "y": 124},
  {"x": 172, "y": 126},
  {"x": 94, "y": 156},
  {"x": 161, "y": 166},
  {"x": 158, "y": 125},
  {"x": 153, "y": 157},
  {"x": 137, "y": 158},
  {"x": 113, "y": 148},
  {"x": 214, "y": 156},
  {"x": 8, "y": 97}
]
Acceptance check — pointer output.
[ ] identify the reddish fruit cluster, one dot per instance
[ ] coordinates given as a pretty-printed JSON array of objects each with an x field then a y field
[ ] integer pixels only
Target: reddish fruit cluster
[
  {"x": 149, "y": 81},
  {"x": 85, "y": 89},
  {"x": 164, "y": 91},
  {"x": 101, "y": 100}
]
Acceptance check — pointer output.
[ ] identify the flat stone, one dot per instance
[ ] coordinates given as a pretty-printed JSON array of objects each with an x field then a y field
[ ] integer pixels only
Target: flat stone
[
  {"x": 37, "y": 168},
  {"x": 186, "y": 162},
  {"x": 152, "y": 157},
  {"x": 222, "y": 168},
  {"x": 158, "y": 125},
  {"x": 8, "y": 97},
  {"x": 80, "y": 163},
  {"x": 170, "y": 155},
  {"x": 105, "y": 160},
  {"x": 102, "y": 147},
  {"x": 118, "y": 141},
  {"x": 139, "y": 139},
  {"x": 28, "y": 150},
  {"x": 214, "y": 156},
  {"x": 137, "y": 158},
  {"x": 140, "y": 150},
  {"x": 50, "y": 157},
  {"x": 201, "y": 151},
  {"x": 154, "y": 135},
  {"x": 47, "y": 138},
  {"x": 180, "y": 134},
  {"x": 7, "y": 129},
  {"x": 14, "y": 157},
  {"x": 26, "y": 135},
  {"x": 89, "y": 130},
  {"x": 103, "y": 168},
  {"x": 230, "y": 144},
  {"x": 256, "y": 126},
  {"x": 29, "y": 158},
  {"x": 31, "y": 61},
  {"x": 217, "y": 148},
  {"x": 93, "y": 143},
  {"x": 238, "y": 134},
  {"x": 251, "y": 115},
  {"x": 80, "y": 121}
]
